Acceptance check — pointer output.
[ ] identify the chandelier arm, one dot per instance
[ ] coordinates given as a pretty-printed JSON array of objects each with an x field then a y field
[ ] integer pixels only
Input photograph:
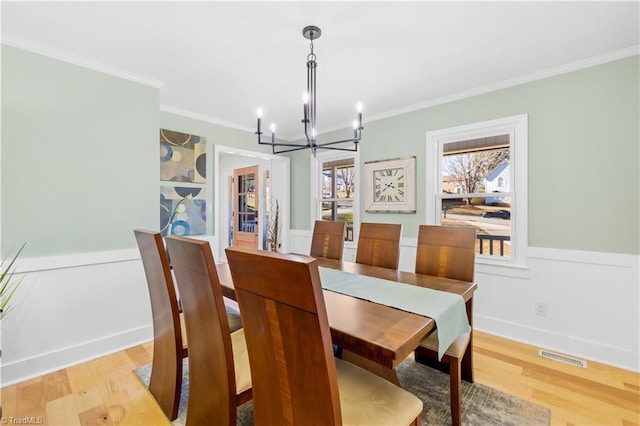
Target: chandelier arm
[
  {"x": 335, "y": 148},
  {"x": 291, "y": 149},
  {"x": 306, "y": 135},
  {"x": 297, "y": 147},
  {"x": 306, "y": 129},
  {"x": 337, "y": 142},
  {"x": 282, "y": 144}
]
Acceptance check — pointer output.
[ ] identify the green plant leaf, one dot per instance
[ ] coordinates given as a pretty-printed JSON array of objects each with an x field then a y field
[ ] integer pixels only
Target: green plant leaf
[{"x": 7, "y": 286}]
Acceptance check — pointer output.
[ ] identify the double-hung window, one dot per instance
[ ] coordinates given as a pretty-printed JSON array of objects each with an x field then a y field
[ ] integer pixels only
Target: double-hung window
[
  {"x": 335, "y": 186},
  {"x": 479, "y": 178}
]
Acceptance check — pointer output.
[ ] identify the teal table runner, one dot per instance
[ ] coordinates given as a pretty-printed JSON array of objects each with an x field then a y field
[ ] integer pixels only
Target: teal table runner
[{"x": 447, "y": 309}]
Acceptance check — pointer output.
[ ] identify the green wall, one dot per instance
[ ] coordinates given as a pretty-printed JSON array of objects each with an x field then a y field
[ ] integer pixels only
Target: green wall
[
  {"x": 583, "y": 156},
  {"x": 79, "y": 156}
]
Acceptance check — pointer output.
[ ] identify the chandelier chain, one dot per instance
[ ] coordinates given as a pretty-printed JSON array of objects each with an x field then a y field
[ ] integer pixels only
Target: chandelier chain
[{"x": 311, "y": 56}]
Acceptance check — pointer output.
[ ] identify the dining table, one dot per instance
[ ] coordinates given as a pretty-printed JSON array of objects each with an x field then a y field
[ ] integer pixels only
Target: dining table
[{"x": 373, "y": 335}]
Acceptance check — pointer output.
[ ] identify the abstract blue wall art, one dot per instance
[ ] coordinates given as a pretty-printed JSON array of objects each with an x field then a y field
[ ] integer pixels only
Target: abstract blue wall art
[
  {"x": 183, "y": 157},
  {"x": 183, "y": 211}
]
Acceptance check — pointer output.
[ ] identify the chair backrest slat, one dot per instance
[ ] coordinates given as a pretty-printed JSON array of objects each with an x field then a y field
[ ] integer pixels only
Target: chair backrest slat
[
  {"x": 166, "y": 373},
  {"x": 446, "y": 251},
  {"x": 288, "y": 338},
  {"x": 379, "y": 244},
  {"x": 328, "y": 239}
]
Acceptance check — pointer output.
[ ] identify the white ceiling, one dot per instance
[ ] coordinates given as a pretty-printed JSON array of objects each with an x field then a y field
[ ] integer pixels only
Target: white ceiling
[{"x": 221, "y": 60}]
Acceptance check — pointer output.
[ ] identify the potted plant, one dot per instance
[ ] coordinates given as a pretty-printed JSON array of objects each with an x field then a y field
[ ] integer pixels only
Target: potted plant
[
  {"x": 8, "y": 285},
  {"x": 273, "y": 230}
]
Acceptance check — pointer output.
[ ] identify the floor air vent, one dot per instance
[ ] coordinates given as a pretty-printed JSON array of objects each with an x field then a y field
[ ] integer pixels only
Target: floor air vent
[{"x": 563, "y": 358}]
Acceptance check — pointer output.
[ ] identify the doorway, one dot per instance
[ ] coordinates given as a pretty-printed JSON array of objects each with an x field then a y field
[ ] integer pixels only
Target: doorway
[
  {"x": 246, "y": 207},
  {"x": 276, "y": 168}
]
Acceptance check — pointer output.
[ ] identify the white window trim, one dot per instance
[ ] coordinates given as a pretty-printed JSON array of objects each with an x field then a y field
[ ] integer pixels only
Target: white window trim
[
  {"x": 316, "y": 191},
  {"x": 517, "y": 128}
]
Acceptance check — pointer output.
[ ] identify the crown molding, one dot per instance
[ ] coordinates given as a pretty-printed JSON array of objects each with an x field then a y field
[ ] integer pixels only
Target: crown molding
[
  {"x": 212, "y": 120},
  {"x": 61, "y": 55},
  {"x": 527, "y": 78},
  {"x": 24, "y": 44},
  {"x": 205, "y": 118}
]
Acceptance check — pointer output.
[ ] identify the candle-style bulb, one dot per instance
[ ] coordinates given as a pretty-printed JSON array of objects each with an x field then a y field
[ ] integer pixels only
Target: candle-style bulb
[
  {"x": 313, "y": 133},
  {"x": 359, "y": 107},
  {"x": 355, "y": 124},
  {"x": 259, "y": 125},
  {"x": 305, "y": 108},
  {"x": 273, "y": 128}
]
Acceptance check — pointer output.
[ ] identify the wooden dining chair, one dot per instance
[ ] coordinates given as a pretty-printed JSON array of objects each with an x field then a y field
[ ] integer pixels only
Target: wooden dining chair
[
  {"x": 379, "y": 244},
  {"x": 169, "y": 339},
  {"x": 296, "y": 379},
  {"x": 328, "y": 239},
  {"x": 449, "y": 252},
  {"x": 219, "y": 375}
]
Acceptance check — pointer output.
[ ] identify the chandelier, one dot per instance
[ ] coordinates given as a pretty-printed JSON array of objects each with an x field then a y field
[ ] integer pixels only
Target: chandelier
[{"x": 311, "y": 32}]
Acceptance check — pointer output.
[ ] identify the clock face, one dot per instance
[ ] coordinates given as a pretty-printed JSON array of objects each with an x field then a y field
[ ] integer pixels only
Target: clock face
[{"x": 388, "y": 185}]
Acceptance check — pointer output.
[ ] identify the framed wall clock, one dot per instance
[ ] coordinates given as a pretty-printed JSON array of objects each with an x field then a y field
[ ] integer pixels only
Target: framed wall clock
[{"x": 390, "y": 185}]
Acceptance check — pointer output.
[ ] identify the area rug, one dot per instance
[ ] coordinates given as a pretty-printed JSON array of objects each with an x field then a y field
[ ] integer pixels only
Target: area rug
[{"x": 481, "y": 405}]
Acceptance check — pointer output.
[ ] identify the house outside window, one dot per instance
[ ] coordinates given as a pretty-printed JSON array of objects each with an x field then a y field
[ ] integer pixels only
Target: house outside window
[
  {"x": 336, "y": 189},
  {"x": 480, "y": 180}
]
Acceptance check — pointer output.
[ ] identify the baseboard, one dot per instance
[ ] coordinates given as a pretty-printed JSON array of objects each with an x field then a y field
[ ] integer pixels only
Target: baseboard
[
  {"x": 563, "y": 343},
  {"x": 25, "y": 369}
]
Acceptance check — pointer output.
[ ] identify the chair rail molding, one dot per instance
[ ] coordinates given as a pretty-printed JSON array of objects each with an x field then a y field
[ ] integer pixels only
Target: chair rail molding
[
  {"x": 73, "y": 308},
  {"x": 78, "y": 293}
]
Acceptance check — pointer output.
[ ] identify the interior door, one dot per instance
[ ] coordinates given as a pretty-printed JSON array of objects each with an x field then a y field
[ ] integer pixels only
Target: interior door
[{"x": 245, "y": 207}]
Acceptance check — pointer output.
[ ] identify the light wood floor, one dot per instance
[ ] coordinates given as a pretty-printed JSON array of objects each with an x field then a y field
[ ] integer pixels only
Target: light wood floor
[{"x": 106, "y": 391}]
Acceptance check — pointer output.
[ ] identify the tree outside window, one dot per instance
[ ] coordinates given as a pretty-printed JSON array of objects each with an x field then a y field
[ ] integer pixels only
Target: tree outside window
[
  {"x": 474, "y": 191},
  {"x": 338, "y": 184},
  {"x": 477, "y": 176}
]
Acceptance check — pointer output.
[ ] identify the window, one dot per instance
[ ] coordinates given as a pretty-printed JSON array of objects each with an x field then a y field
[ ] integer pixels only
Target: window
[
  {"x": 479, "y": 180},
  {"x": 336, "y": 188}
]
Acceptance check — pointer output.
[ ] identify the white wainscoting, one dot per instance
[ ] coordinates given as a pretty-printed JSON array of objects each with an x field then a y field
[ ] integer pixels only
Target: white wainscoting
[
  {"x": 87, "y": 306},
  {"x": 592, "y": 300},
  {"x": 73, "y": 308},
  {"x": 79, "y": 307}
]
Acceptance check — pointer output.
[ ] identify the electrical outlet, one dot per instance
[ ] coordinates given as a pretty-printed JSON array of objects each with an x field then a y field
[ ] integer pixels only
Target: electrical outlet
[{"x": 541, "y": 309}]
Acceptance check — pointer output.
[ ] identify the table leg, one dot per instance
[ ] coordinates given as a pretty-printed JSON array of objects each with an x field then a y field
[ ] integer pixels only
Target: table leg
[
  {"x": 467, "y": 359},
  {"x": 372, "y": 366}
]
